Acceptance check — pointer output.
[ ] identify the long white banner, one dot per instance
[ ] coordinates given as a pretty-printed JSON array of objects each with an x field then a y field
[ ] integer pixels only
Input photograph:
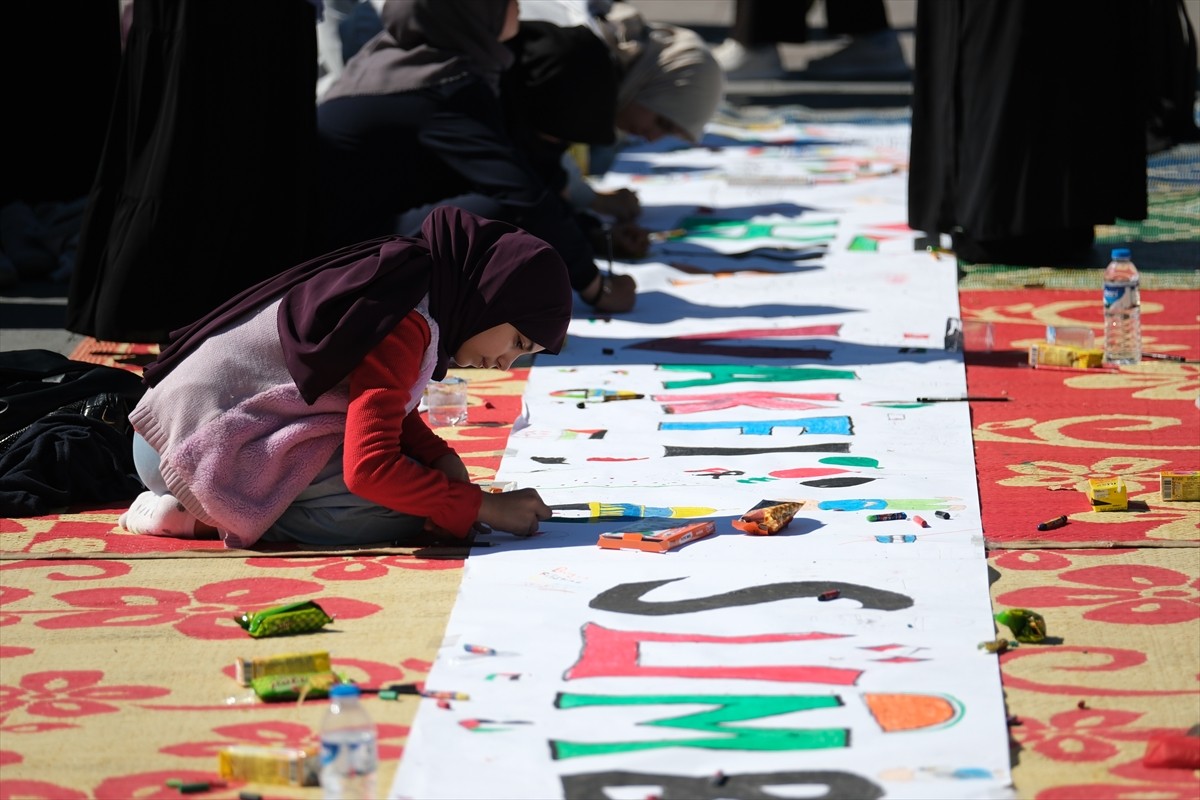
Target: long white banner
[{"x": 788, "y": 346}]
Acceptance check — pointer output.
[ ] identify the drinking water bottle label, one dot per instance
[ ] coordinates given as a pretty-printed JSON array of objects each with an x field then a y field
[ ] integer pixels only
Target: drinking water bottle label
[
  {"x": 357, "y": 758},
  {"x": 1115, "y": 292}
]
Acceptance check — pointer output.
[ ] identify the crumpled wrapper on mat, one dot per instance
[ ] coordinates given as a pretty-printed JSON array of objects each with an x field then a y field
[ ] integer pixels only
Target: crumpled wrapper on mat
[
  {"x": 287, "y": 620},
  {"x": 764, "y": 520}
]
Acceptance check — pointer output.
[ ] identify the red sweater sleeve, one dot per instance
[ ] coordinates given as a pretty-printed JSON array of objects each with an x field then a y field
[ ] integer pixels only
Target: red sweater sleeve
[{"x": 387, "y": 451}]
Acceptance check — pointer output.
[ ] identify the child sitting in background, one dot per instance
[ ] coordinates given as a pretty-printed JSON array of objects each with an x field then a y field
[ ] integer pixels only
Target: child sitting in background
[{"x": 290, "y": 412}]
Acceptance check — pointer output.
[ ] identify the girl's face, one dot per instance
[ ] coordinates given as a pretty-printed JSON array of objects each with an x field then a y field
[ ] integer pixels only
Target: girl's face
[
  {"x": 512, "y": 21},
  {"x": 495, "y": 348},
  {"x": 638, "y": 120}
]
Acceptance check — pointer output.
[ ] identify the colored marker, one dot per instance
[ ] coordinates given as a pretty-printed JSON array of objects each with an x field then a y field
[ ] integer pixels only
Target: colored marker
[
  {"x": 479, "y": 649},
  {"x": 597, "y": 395},
  {"x": 832, "y": 594},
  {"x": 1051, "y": 524},
  {"x": 444, "y": 695},
  {"x": 942, "y": 514},
  {"x": 920, "y": 522},
  {"x": 966, "y": 399},
  {"x": 1165, "y": 357},
  {"x": 662, "y": 236},
  {"x": 886, "y": 517},
  {"x": 472, "y": 724}
]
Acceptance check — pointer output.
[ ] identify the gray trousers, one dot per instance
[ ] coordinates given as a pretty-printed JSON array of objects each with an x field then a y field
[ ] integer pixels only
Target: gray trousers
[{"x": 324, "y": 514}]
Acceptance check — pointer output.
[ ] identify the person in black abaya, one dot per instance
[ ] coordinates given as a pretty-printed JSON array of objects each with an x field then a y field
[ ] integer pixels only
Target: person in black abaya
[
  {"x": 416, "y": 121},
  {"x": 206, "y": 181},
  {"x": 560, "y": 90},
  {"x": 1028, "y": 126}
]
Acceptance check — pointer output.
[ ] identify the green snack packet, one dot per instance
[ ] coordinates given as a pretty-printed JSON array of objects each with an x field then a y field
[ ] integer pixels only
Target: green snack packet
[
  {"x": 1026, "y": 625},
  {"x": 302, "y": 617},
  {"x": 297, "y": 686}
]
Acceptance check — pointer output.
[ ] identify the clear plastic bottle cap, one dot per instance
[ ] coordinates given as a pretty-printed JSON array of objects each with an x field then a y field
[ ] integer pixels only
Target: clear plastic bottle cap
[
  {"x": 343, "y": 690},
  {"x": 1121, "y": 252}
]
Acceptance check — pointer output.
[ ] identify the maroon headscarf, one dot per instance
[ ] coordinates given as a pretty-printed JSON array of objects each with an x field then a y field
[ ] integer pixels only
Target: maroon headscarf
[{"x": 477, "y": 272}]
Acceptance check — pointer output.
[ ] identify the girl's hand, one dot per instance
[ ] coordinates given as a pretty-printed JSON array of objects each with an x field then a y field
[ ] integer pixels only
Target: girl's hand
[
  {"x": 518, "y": 511},
  {"x": 611, "y": 295},
  {"x": 630, "y": 240},
  {"x": 622, "y": 204}
]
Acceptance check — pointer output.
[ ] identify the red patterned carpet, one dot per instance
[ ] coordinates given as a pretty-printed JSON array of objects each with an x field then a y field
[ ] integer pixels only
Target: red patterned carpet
[
  {"x": 1036, "y": 453},
  {"x": 1121, "y": 660}
]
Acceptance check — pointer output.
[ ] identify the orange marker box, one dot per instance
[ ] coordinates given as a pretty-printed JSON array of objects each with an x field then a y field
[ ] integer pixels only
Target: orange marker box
[{"x": 656, "y": 534}]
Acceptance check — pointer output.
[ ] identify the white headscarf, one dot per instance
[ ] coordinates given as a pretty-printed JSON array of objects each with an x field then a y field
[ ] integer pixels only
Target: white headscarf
[{"x": 668, "y": 69}]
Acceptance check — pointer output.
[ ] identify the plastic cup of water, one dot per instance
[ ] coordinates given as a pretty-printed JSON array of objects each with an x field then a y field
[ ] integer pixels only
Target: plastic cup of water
[
  {"x": 979, "y": 336},
  {"x": 446, "y": 401}
]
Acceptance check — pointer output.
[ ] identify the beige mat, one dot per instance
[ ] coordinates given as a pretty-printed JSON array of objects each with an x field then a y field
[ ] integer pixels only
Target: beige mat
[
  {"x": 1120, "y": 666},
  {"x": 118, "y": 675}
]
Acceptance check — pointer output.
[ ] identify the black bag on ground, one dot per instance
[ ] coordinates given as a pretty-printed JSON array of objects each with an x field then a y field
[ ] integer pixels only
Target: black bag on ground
[
  {"x": 34, "y": 383},
  {"x": 65, "y": 436}
]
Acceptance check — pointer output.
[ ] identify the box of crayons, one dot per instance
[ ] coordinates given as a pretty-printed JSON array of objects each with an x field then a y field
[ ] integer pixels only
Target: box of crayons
[
  {"x": 656, "y": 534},
  {"x": 1177, "y": 486},
  {"x": 1108, "y": 494}
]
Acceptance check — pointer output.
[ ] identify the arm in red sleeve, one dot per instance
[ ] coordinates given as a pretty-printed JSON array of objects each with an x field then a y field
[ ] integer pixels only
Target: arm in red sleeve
[{"x": 386, "y": 451}]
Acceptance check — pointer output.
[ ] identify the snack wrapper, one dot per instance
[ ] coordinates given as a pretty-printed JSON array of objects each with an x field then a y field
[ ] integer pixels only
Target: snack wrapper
[
  {"x": 303, "y": 617},
  {"x": 299, "y": 686},
  {"x": 247, "y": 669},
  {"x": 766, "y": 520},
  {"x": 1026, "y": 625}
]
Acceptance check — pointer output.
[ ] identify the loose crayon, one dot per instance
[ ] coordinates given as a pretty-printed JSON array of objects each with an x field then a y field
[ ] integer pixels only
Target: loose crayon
[
  {"x": 832, "y": 594},
  {"x": 1051, "y": 524},
  {"x": 479, "y": 649},
  {"x": 920, "y": 522},
  {"x": 885, "y": 517},
  {"x": 942, "y": 514}
]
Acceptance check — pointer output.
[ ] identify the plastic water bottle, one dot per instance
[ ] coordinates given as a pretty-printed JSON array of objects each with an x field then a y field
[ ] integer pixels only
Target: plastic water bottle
[
  {"x": 349, "y": 750},
  {"x": 1122, "y": 310}
]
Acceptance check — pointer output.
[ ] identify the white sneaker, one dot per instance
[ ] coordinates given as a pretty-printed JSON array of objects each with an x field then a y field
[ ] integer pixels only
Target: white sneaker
[{"x": 746, "y": 64}]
